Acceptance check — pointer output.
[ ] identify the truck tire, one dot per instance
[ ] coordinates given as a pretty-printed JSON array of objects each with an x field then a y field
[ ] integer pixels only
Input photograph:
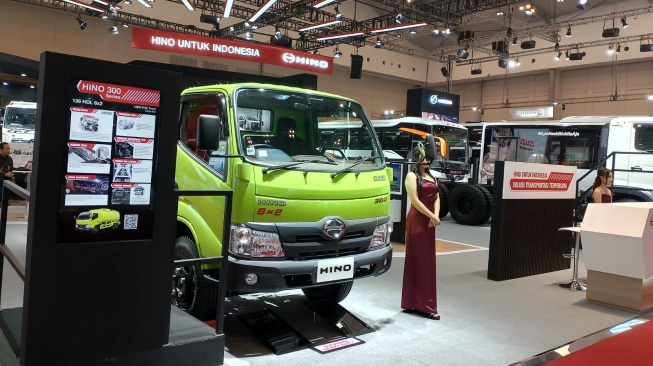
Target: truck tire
[
  {"x": 488, "y": 199},
  {"x": 335, "y": 292},
  {"x": 468, "y": 205},
  {"x": 444, "y": 199},
  {"x": 191, "y": 292}
]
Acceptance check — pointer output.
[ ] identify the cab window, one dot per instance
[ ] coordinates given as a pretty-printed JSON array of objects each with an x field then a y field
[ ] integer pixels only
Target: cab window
[{"x": 192, "y": 109}]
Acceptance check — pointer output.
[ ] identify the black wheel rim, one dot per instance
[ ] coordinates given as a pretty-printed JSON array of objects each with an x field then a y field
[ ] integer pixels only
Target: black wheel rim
[
  {"x": 184, "y": 280},
  {"x": 464, "y": 205}
]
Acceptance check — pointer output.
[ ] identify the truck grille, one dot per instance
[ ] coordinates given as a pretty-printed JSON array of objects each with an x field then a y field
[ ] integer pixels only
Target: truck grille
[
  {"x": 305, "y": 238},
  {"x": 327, "y": 253}
]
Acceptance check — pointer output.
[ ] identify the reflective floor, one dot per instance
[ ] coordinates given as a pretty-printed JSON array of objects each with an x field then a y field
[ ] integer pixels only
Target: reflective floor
[{"x": 581, "y": 343}]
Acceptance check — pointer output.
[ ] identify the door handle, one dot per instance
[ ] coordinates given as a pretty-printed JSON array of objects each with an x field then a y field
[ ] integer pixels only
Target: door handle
[{"x": 636, "y": 168}]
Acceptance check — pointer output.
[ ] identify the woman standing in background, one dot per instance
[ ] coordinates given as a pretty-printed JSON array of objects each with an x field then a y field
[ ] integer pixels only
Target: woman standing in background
[
  {"x": 600, "y": 191},
  {"x": 419, "y": 287}
]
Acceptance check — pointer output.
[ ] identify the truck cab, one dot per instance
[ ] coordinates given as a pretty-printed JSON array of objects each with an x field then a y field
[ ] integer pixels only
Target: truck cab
[
  {"x": 19, "y": 122},
  {"x": 306, "y": 214}
]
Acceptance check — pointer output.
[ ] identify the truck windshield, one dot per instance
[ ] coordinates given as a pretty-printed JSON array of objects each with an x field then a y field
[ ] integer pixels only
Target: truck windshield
[
  {"x": 16, "y": 117},
  {"x": 457, "y": 153},
  {"x": 84, "y": 216},
  {"x": 278, "y": 127}
]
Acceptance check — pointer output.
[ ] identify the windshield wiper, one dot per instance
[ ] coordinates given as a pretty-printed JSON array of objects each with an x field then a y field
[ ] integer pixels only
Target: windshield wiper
[
  {"x": 295, "y": 163},
  {"x": 360, "y": 161}
]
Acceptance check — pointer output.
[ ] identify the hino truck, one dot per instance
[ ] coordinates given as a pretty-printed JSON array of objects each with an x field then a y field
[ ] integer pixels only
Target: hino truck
[
  {"x": 581, "y": 141},
  {"x": 307, "y": 214}
]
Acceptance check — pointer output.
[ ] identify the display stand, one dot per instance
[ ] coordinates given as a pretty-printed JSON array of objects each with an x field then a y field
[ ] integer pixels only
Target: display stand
[
  {"x": 97, "y": 273},
  {"x": 618, "y": 254},
  {"x": 530, "y": 203}
]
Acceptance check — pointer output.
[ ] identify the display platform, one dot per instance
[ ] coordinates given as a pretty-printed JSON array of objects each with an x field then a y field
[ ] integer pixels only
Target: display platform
[
  {"x": 286, "y": 322},
  {"x": 191, "y": 342}
]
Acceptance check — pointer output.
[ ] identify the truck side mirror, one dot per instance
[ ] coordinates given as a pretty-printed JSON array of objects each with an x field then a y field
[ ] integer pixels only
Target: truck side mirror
[
  {"x": 208, "y": 132},
  {"x": 430, "y": 146}
]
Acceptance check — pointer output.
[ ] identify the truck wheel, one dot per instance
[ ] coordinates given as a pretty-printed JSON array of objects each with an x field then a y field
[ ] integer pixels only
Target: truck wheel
[
  {"x": 468, "y": 205},
  {"x": 335, "y": 292},
  {"x": 444, "y": 199},
  {"x": 96, "y": 229},
  {"x": 190, "y": 291},
  {"x": 488, "y": 199}
]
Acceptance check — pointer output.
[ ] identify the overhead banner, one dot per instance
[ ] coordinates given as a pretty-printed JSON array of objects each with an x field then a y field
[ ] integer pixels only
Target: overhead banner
[
  {"x": 538, "y": 181},
  {"x": 532, "y": 112},
  {"x": 151, "y": 39}
]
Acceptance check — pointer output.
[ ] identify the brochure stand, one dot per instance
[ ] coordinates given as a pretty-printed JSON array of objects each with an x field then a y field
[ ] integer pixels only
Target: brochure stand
[
  {"x": 530, "y": 203},
  {"x": 97, "y": 273}
]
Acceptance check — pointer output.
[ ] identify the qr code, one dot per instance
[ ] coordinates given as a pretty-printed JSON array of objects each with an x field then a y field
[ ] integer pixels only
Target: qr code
[{"x": 131, "y": 222}]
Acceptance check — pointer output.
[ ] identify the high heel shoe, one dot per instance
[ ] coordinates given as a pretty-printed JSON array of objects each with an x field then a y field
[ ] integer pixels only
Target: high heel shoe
[{"x": 433, "y": 316}]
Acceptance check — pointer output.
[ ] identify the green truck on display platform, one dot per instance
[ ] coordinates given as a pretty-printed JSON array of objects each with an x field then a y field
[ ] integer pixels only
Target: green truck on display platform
[{"x": 306, "y": 214}]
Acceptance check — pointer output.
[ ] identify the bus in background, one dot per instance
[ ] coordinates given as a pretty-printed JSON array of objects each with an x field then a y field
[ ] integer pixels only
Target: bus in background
[{"x": 454, "y": 166}]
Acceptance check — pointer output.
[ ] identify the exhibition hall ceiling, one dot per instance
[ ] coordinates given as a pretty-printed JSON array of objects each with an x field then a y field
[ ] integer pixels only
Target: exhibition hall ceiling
[{"x": 457, "y": 31}]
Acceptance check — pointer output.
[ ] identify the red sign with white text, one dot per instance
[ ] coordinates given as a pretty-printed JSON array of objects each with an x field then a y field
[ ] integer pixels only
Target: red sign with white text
[
  {"x": 538, "y": 181},
  {"x": 151, "y": 39},
  {"x": 120, "y": 93}
]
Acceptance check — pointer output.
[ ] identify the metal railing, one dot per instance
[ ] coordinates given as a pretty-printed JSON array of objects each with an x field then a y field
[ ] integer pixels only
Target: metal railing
[
  {"x": 9, "y": 187},
  {"x": 223, "y": 260}
]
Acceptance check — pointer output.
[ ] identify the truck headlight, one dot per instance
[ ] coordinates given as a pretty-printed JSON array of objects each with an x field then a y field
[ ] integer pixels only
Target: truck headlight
[
  {"x": 381, "y": 236},
  {"x": 253, "y": 243}
]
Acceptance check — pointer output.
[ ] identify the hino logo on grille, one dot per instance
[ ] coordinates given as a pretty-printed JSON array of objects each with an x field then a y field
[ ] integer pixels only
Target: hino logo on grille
[
  {"x": 271, "y": 203},
  {"x": 292, "y": 59},
  {"x": 335, "y": 269},
  {"x": 334, "y": 228}
]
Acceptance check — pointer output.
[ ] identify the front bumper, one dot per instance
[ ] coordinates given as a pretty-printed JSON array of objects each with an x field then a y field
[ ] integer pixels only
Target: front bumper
[{"x": 277, "y": 275}]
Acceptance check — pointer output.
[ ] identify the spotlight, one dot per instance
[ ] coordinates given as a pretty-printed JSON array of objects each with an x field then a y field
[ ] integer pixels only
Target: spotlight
[
  {"x": 610, "y": 50},
  {"x": 462, "y": 53},
  {"x": 568, "y": 32},
  {"x": 127, "y": 2},
  {"x": 610, "y": 32},
  {"x": 623, "y": 23},
  {"x": 500, "y": 13},
  {"x": 338, "y": 13},
  {"x": 477, "y": 71},
  {"x": 445, "y": 71},
  {"x": 400, "y": 19},
  {"x": 503, "y": 63},
  {"x": 557, "y": 57},
  {"x": 412, "y": 32},
  {"x": 517, "y": 63},
  {"x": 82, "y": 24},
  {"x": 125, "y": 25},
  {"x": 447, "y": 31},
  {"x": 378, "y": 43},
  {"x": 563, "y": 106},
  {"x": 618, "y": 51},
  {"x": 583, "y": 4},
  {"x": 556, "y": 47},
  {"x": 277, "y": 32},
  {"x": 435, "y": 32},
  {"x": 514, "y": 41},
  {"x": 482, "y": 110},
  {"x": 248, "y": 36},
  {"x": 567, "y": 55},
  {"x": 649, "y": 97},
  {"x": 337, "y": 52},
  {"x": 114, "y": 30}
]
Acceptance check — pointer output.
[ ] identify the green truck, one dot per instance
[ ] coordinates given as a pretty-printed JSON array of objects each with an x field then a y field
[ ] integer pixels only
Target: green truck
[
  {"x": 310, "y": 209},
  {"x": 97, "y": 219}
]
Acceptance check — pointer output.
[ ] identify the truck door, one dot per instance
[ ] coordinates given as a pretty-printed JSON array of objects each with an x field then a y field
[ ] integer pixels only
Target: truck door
[{"x": 642, "y": 142}]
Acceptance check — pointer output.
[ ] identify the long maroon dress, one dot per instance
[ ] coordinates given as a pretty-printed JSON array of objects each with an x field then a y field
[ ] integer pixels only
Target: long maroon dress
[{"x": 419, "y": 291}]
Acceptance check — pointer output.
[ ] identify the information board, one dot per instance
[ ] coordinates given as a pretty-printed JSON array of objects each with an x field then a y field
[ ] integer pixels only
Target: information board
[{"x": 107, "y": 193}]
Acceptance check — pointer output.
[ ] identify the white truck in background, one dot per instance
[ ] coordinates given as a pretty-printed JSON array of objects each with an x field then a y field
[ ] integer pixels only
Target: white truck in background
[
  {"x": 581, "y": 141},
  {"x": 18, "y": 127}
]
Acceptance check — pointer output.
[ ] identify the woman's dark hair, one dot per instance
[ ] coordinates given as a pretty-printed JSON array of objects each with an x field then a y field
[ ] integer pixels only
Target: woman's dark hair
[
  {"x": 600, "y": 172},
  {"x": 416, "y": 158}
]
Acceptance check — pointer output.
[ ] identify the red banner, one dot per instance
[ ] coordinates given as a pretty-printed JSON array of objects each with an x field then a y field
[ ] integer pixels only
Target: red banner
[
  {"x": 120, "y": 93},
  {"x": 151, "y": 39}
]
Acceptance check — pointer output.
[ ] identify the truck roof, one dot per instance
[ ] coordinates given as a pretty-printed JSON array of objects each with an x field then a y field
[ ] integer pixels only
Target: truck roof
[
  {"x": 230, "y": 88},
  {"x": 545, "y": 123},
  {"x": 424, "y": 121},
  {"x": 30, "y": 105}
]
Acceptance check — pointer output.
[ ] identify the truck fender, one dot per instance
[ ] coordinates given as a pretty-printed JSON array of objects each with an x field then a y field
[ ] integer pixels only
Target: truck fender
[{"x": 208, "y": 244}]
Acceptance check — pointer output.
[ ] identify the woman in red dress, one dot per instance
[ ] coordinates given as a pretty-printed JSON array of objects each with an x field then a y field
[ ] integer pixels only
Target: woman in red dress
[
  {"x": 419, "y": 289},
  {"x": 600, "y": 191}
]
